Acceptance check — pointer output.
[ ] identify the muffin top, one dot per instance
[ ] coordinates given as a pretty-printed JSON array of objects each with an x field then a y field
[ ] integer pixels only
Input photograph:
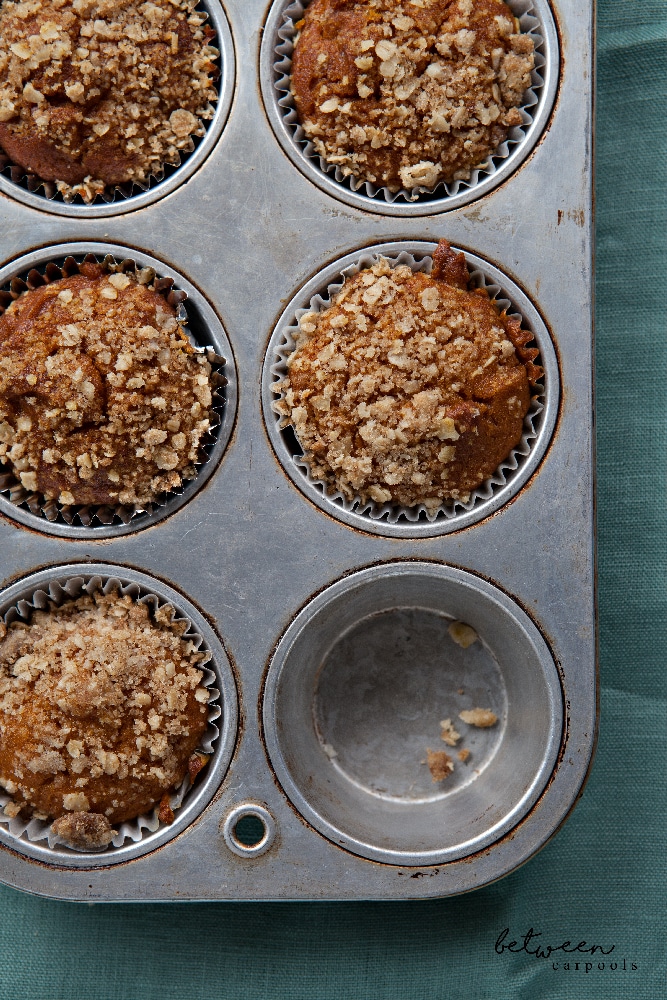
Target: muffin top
[
  {"x": 95, "y": 93},
  {"x": 103, "y": 400},
  {"x": 409, "y": 388},
  {"x": 101, "y": 707},
  {"x": 408, "y": 93}
]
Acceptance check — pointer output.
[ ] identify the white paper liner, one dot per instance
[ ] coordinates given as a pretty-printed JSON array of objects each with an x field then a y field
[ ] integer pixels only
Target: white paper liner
[
  {"x": 530, "y": 24},
  {"x": 395, "y": 513},
  {"x": 117, "y": 192},
  {"x": 105, "y": 515},
  {"x": 35, "y": 830}
]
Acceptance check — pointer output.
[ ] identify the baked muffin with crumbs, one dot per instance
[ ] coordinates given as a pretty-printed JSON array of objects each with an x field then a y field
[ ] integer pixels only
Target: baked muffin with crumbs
[
  {"x": 103, "y": 400},
  {"x": 407, "y": 94},
  {"x": 409, "y": 388},
  {"x": 98, "y": 93},
  {"x": 102, "y": 708}
]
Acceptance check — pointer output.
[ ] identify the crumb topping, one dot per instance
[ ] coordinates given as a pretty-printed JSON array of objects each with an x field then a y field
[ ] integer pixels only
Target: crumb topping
[
  {"x": 448, "y": 733},
  {"x": 462, "y": 634},
  {"x": 440, "y": 765},
  {"x": 409, "y": 388},
  {"x": 102, "y": 398},
  {"x": 482, "y": 718},
  {"x": 100, "y": 92},
  {"x": 101, "y": 705},
  {"x": 406, "y": 94},
  {"x": 84, "y": 831}
]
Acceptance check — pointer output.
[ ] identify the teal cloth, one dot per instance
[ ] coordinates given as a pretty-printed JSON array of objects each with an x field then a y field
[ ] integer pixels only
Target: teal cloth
[{"x": 602, "y": 879}]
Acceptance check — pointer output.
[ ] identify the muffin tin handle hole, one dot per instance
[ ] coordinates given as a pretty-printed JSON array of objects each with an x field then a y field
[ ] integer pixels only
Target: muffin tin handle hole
[{"x": 249, "y": 830}]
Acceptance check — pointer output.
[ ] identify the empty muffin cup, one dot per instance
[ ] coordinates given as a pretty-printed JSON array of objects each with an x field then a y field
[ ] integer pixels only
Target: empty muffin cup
[
  {"x": 413, "y": 713},
  {"x": 36, "y": 834}
]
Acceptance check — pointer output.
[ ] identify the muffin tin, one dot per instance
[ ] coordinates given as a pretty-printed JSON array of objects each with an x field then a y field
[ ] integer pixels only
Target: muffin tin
[{"x": 329, "y": 627}]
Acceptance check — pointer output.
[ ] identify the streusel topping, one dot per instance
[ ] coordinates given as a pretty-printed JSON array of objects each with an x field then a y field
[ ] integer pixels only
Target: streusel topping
[
  {"x": 99, "y": 92},
  {"x": 408, "y": 93},
  {"x": 408, "y": 389},
  {"x": 101, "y": 705},
  {"x": 102, "y": 398}
]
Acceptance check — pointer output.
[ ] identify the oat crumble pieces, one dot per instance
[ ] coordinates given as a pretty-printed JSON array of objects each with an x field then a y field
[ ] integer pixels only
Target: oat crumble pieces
[
  {"x": 440, "y": 765},
  {"x": 405, "y": 95},
  {"x": 482, "y": 718},
  {"x": 408, "y": 389},
  {"x": 101, "y": 707},
  {"x": 103, "y": 400},
  {"x": 96, "y": 93}
]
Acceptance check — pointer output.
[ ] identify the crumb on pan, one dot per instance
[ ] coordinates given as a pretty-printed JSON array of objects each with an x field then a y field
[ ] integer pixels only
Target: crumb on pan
[
  {"x": 448, "y": 733},
  {"x": 409, "y": 388},
  {"x": 462, "y": 634},
  {"x": 463, "y": 755},
  {"x": 440, "y": 765},
  {"x": 95, "y": 93},
  {"x": 101, "y": 706},
  {"x": 405, "y": 95},
  {"x": 482, "y": 718},
  {"x": 102, "y": 398}
]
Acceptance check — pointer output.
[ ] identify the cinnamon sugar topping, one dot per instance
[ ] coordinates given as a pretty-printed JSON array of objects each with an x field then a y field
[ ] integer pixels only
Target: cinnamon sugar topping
[{"x": 406, "y": 95}]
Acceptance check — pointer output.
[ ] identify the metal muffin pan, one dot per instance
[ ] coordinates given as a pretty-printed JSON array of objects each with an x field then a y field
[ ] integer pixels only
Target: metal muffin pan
[
  {"x": 30, "y": 190},
  {"x": 266, "y": 567}
]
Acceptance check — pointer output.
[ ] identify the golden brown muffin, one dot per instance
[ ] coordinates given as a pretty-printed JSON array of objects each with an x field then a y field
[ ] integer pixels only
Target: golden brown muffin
[
  {"x": 95, "y": 93},
  {"x": 101, "y": 707},
  {"x": 409, "y": 93},
  {"x": 102, "y": 398},
  {"x": 410, "y": 388}
]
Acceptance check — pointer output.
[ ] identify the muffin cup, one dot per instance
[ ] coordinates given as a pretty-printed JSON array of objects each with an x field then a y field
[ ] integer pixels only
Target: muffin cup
[
  {"x": 207, "y": 336},
  {"x": 394, "y": 519},
  {"x": 535, "y": 18},
  {"x": 51, "y": 588},
  {"x": 355, "y": 693},
  {"x": 32, "y": 190}
]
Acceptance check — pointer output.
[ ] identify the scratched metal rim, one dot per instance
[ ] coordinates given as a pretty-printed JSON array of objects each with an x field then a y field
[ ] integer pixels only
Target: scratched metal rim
[
  {"x": 392, "y": 520},
  {"x": 275, "y": 65},
  {"x": 207, "y": 331},
  {"x": 145, "y": 833},
  {"x": 413, "y": 831},
  {"x": 174, "y": 176}
]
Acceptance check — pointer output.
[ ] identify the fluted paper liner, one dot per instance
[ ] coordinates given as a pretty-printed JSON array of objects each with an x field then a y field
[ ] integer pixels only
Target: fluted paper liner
[{"x": 36, "y": 830}]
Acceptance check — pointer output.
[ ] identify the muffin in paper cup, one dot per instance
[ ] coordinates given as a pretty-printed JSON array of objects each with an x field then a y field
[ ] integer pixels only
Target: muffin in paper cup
[
  {"x": 534, "y": 19},
  {"x": 38, "y": 834},
  {"x": 62, "y": 514},
  {"x": 419, "y": 518},
  {"x": 190, "y": 141}
]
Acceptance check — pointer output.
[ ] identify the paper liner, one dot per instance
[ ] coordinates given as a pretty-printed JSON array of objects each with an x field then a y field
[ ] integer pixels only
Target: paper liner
[
  {"x": 52, "y": 190},
  {"x": 36, "y": 830},
  {"x": 523, "y": 10},
  {"x": 105, "y": 515},
  {"x": 395, "y": 513}
]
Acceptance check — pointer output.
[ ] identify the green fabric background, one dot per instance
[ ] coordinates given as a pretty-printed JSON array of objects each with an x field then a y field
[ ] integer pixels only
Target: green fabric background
[{"x": 603, "y": 877}]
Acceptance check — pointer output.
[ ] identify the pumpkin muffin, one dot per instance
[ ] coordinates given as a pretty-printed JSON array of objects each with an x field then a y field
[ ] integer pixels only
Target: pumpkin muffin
[
  {"x": 406, "y": 94},
  {"x": 103, "y": 400},
  {"x": 97, "y": 93},
  {"x": 102, "y": 707},
  {"x": 409, "y": 388}
]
